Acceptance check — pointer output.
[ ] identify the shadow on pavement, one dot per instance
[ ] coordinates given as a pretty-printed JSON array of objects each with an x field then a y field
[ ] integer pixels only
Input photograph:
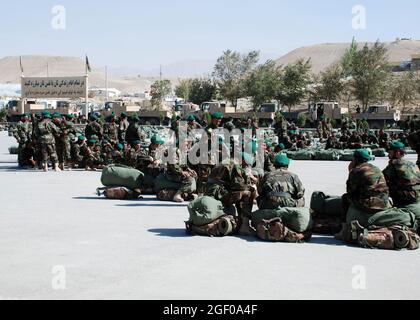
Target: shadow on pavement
[
  {"x": 172, "y": 233},
  {"x": 158, "y": 205}
]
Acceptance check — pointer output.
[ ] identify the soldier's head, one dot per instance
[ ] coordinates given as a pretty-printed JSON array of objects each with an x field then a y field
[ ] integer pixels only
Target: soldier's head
[
  {"x": 279, "y": 148},
  {"x": 111, "y": 118},
  {"x": 24, "y": 117},
  {"x": 156, "y": 142},
  {"x": 94, "y": 117},
  {"x": 396, "y": 150},
  {"x": 69, "y": 117},
  {"x": 281, "y": 161},
  {"x": 360, "y": 156},
  {"x": 81, "y": 139},
  {"x": 191, "y": 119},
  {"x": 119, "y": 147},
  {"x": 216, "y": 119},
  {"x": 123, "y": 116},
  {"x": 92, "y": 142},
  {"x": 136, "y": 145},
  {"x": 46, "y": 115},
  {"x": 135, "y": 118},
  {"x": 57, "y": 118}
]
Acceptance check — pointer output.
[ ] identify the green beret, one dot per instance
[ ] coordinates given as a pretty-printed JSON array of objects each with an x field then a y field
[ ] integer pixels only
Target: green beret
[
  {"x": 157, "y": 140},
  {"x": 119, "y": 146},
  {"x": 362, "y": 154},
  {"x": 249, "y": 159},
  {"x": 93, "y": 141},
  {"x": 396, "y": 145},
  {"x": 94, "y": 117},
  {"x": 282, "y": 146},
  {"x": 25, "y": 115},
  {"x": 190, "y": 118},
  {"x": 217, "y": 115},
  {"x": 136, "y": 142},
  {"x": 105, "y": 142},
  {"x": 69, "y": 116},
  {"x": 124, "y": 114},
  {"x": 82, "y": 138},
  {"x": 57, "y": 115},
  {"x": 292, "y": 132},
  {"x": 281, "y": 160}
]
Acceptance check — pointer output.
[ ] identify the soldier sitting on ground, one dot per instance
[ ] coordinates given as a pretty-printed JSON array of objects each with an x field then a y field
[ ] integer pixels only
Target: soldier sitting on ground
[{"x": 281, "y": 188}]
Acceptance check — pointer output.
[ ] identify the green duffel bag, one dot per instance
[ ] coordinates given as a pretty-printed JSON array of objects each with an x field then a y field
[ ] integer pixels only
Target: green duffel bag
[
  {"x": 413, "y": 208},
  {"x": 326, "y": 155},
  {"x": 347, "y": 156},
  {"x": 205, "y": 210},
  {"x": 121, "y": 176},
  {"x": 297, "y": 219},
  {"x": 162, "y": 182},
  {"x": 303, "y": 155},
  {"x": 326, "y": 205},
  {"x": 386, "y": 218},
  {"x": 380, "y": 153}
]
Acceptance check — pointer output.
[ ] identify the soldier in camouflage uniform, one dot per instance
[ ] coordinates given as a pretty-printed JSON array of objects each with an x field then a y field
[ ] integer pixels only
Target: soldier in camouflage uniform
[
  {"x": 281, "y": 188},
  {"x": 367, "y": 190},
  {"x": 111, "y": 130},
  {"x": 132, "y": 154},
  {"x": 134, "y": 131},
  {"x": 68, "y": 135},
  {"x": 280, "y": 127},
  {"x": 94, "y": 128},
  {"x": 230, "y": 184},
  {"x": 403, "y": 179},
  {"x": 383, "y": 139},
  {"x": 23, "y": 135},
  {"x": 122, "y": 127},
  {"x": 149, "y": 162},
  {"x": 46, "y": 131}
]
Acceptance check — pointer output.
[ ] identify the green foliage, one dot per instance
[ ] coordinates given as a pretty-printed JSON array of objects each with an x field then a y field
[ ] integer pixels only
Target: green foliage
[
  {"x": 294, "y": 81},
  {"x": 263, "y": 83},
  {"x": 183, "y": 89},
  {"x": 159, "y": 90},
  {"x": 3, "y": 114},
  {"x": 404, "y": 89},
  {"x": 230, "y": 72},
  {"x": 348, "y": 58},
  {"x": 369, "y": 71},
  {"x": 301, "y": 121},
  {"x": 331, "y": 84},
  {"x": 201, "y": 90}
]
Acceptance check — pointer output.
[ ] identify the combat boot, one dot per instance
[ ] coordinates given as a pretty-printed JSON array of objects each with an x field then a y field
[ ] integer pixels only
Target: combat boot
[
  {"x": 57, "y": 167},
  {"x": 178, "y": 197},
  {"x": 45, "y": 167},
  {"x": 61, "y": 166}
]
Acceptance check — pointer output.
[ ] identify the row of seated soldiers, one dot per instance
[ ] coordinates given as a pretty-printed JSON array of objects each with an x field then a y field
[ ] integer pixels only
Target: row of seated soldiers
[{"x": 381, "y": 209}]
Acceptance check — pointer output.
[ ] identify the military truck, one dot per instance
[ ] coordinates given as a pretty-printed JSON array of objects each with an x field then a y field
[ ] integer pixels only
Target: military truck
[
  {"x": 379, "y": 116},
  {"x": 327, "y": 109}
]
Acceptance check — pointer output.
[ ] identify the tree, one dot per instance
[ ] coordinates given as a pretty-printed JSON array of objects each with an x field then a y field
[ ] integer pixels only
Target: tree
[
  {"x": 331, "y": 83},
  {"x": 262, "y": 83},
  {"x": 230, "y": 72},
  {"x": 369, "y": 72},
  {"x": 3, "y": 114},
  {"x": 404, "y": 89},
  {"x": 183, "y": 89},
  {"x": 295, "y": 79},
  {"x": 201, "y": 90},
  {"x": 159, "y": 90},
  {"x": 348, "y": 58}
]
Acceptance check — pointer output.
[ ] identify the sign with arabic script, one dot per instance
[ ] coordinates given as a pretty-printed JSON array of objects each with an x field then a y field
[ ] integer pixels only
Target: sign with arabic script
[{"x": 56, "y": 87}]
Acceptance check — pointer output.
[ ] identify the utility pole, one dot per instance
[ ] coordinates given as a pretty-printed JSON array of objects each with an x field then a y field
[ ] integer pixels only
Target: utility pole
[{"x": 160, "y": 73}]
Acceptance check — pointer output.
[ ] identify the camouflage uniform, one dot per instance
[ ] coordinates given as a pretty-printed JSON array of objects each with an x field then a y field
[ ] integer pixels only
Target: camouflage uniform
[
  {"x": 23, "y": 135},
  {"x": 111, "y": 132},
  {"x": 149, "y": 164},
  {"x": 134, "y": 133},
  {"x": 46, "y": 131},
  {"x": 122, "y": 129},
  {"x": 367, "y": 192},
  {"x": 403, "y": 179},
  {"x": 279, "y": 189},
  {"x": 414, "y": 142},
  {"x": 94, "y": 129}
]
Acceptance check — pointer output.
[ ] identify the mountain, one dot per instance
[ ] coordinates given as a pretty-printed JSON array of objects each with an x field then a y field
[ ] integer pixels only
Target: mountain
[{"x": 324, "y": 55}]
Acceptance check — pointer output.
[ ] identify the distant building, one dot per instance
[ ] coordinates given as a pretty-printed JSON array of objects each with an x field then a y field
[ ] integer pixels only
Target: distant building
[{"x": 101, "y": 92}]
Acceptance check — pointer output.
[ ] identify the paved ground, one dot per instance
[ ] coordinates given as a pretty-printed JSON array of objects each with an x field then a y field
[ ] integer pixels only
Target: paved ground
[{"x": 53, "y": 222}]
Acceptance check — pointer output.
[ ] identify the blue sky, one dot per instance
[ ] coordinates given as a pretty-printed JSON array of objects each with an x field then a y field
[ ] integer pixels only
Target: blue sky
[{"x": 144, "y": 34}]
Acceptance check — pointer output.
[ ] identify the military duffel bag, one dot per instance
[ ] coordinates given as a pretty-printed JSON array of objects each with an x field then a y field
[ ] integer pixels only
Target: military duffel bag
[
  {"x": 205, "y": 210},
  {"x": 326, "y": 205},
  {"x": 296, "y": 219},
  {"x": 118, "y": 193},
  {"x": 380, "y": 152},
  {"x": 162, "y": 182},
  {"x": 326, "y": 155},
  {"x": 121, "y": 176},
  {"x": 223, "y": 226}
]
